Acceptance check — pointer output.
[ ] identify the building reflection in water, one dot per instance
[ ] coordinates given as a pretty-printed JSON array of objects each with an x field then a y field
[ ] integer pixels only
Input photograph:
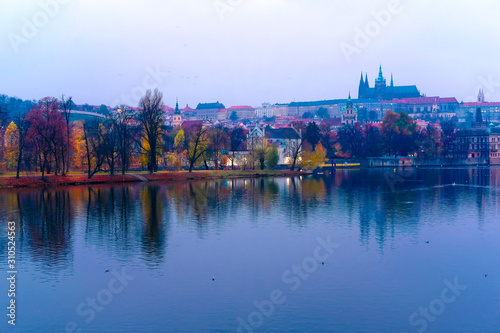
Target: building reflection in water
[{"x": 135, "y": 221}]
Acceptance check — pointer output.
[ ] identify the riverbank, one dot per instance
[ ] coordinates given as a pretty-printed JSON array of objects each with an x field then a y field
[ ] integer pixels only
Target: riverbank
[
  {"x": 404, "y": 161},
  {"x": 34, "y": 181}
]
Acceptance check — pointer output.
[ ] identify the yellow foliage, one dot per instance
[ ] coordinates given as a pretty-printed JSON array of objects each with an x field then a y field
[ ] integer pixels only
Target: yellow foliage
[
  {"x": 78, "y": 143},
  {"x": 179, "y": 141},
  {"x": 144, "y": 158},
  {"x": 311, "y": 159},
  {"x": 11, "y": 142}
]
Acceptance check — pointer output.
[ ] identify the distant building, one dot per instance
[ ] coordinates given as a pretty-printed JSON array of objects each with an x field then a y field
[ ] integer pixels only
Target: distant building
[
  {"x": 477, "y": 144},
  {"x": 490, "y": 110},
  {"x": 349, "y": 113},
  {"x": 332, "y": 123},
  {"x": 383, "y": 92},
  {"x": 265, "y": 110},
  {"x": 426, "y": 107},
  {"x": 242, "y": 111},
  {"x": 210, "y": 111},
  {"x": 334, "y": 106},
  {"x": 177, "y": 119},
  {"x": 280, "y": 110},
  {"x": 286, "y": 140},
  {"x": 480, "y": 96},
  {"x": 188, "y": 113},
  {"x": 222, "y": 114}
]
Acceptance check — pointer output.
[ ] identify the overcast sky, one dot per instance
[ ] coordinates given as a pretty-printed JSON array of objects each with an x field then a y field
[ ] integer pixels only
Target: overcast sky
[{"x": 243, "y": 52}]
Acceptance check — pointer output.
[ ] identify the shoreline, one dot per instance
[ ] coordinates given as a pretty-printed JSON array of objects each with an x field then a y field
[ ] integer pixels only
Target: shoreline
[{"x": 35, "y": 181}]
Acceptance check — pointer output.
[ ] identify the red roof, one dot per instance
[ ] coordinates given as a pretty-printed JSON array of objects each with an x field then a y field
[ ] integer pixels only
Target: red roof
[
  {"x": 187, "y": 109},
  {"x": 337, "y": 121},
  {"x": 189, "y": 124},
  {"x": 481, "y": 104},
  {"x": 423, "y": 100},
  {"x": 241, "y": 107}
]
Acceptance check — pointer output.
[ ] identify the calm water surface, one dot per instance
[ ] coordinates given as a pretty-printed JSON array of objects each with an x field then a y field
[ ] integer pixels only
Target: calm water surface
[{"x": 410, "y": 252}]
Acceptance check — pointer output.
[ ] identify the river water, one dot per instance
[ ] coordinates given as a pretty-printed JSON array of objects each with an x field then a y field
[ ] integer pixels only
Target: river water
[{"x": 371, "y": 250}]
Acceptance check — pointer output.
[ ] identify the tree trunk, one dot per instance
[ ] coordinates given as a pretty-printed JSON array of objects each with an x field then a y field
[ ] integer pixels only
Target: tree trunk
[{"x": 19, "y": 159}]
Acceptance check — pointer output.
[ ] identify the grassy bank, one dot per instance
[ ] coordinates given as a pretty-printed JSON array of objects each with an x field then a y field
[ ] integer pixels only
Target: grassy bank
[{"x": 35, "y": 180}]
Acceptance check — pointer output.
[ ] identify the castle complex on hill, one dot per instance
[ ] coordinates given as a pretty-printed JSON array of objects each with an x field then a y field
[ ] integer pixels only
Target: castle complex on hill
[{"x": 382, "y": 92}]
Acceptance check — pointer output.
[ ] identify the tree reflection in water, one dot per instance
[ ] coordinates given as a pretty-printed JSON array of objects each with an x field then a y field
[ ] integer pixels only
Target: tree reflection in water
[{"x": 134, "y": 221}]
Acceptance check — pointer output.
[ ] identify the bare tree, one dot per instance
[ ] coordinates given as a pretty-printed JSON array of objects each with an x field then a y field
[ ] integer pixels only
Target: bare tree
[
  {"x": 94, "y": 143},
  {"x": 66, "y": 106},
  {"x": 126, "y": 132},
  {"x": 150, "y": 115},
  {"x": 198, "y": 145},
  {"x": 294, "y": 146},
  {"x": 22, "y": 127},
  {"x": 219, "y": 140}
]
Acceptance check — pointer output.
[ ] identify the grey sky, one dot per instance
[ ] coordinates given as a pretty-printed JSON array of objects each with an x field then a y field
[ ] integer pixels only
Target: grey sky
[{"x": 99, "y": 51}]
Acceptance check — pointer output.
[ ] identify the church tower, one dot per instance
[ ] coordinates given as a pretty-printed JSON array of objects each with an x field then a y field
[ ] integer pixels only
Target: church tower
[
  {"x": 349, "y": 113},
  {"x": 480, "y": 96},
  {"x": 380, "y": 85},
  {"x": 177, "y": 122}
]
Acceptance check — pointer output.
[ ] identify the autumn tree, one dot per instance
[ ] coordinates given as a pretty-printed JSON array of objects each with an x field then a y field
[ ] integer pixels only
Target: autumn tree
[
  {"x": 237, "y": 140},
  {"x": 312, "y": 134},
  {"x": 448, "y": 138},
  {"x": 126, "y": 132},
  {"x": 389, "y": 132},
  {"x": 93, "y": 135},
  {"x": 78, "y": 144},
  {"x": 352, "y": 141},
  {"x": 272, "y": 157},
  {"x": 180, "y": 143},
  {"x": 150, "y": 116},
  {"x": 111, "y": 142},
  {"x": 11, "y": 143},
  {"x": 66, "y": 108},
  {"x": 22, "y": 130},
  {"x": 219, "y": 140},
  {"x": 373, "y": 139},
  {"x": 198, "y": 145},
  {"x": 47, "y": 131},
  {"x": 312, "y": 159},
  {"x": 431, "y": 142},
  {"x": 398, "y": 131},
  {"x": 295, "y": 141},
  {"x": 260, "y": 153}
]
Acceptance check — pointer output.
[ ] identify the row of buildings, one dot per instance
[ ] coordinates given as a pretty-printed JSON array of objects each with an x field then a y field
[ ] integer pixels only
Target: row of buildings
[{"x": 372, "y": 104}]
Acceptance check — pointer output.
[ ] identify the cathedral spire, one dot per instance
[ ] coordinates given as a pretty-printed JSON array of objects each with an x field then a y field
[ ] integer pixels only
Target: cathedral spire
[
  {"x": 380, "y": 75},
  {"x": 361, "y": 89},
  {"x": 177, "y": 106},
  {"x": 480, "y": 96},
  {"x": 367, "y": 85}
]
